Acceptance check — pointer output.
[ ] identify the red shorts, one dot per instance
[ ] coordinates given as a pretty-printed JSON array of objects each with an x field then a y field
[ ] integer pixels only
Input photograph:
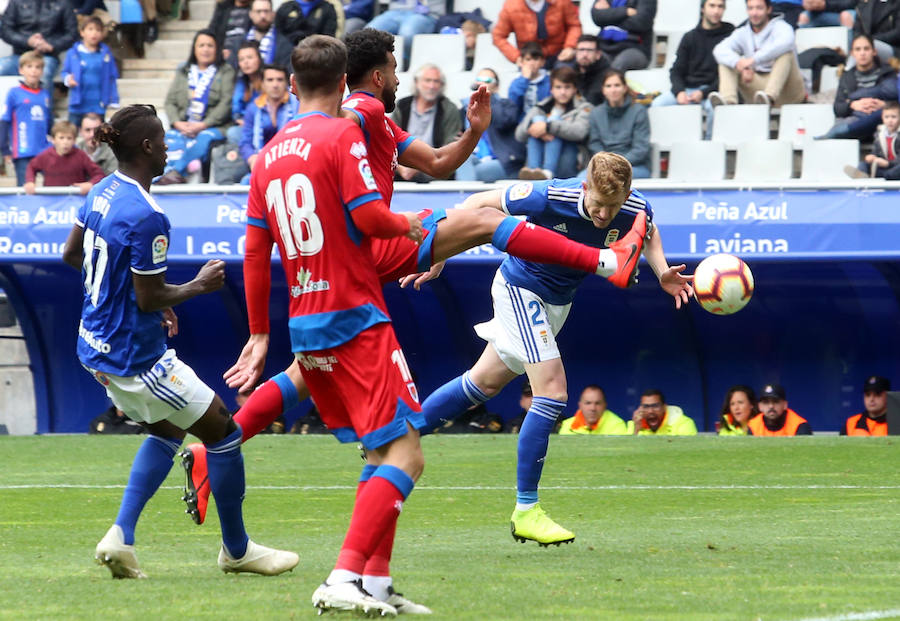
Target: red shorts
[
  {"x": 362, "y": 388},
  {"x": 398, "y": 257}
]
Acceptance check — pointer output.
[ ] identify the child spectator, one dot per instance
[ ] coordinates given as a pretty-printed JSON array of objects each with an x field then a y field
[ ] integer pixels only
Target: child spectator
[
  {"x": 90, "y": 73},
  {"x": 63, "y": 163},
  {"x": 247, "y": 86},
  {"x": 267, "y": 114},
  {"x": 471, "y": 29},
  {"x": 533, "y": 85},
  {"x": 26, "y": 117},
  {"x": 555, "y": 128},
  {"x": 883, "y": 161}
]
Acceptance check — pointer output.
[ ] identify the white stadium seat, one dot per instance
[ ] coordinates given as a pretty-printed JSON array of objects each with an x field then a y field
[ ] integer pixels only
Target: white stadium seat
[
  {"x": 824, "y": 160},
  {"x": 695, "y": 161},
  {"x": 814, "y": 119},
  {"x": 764, "y": 160},
  {"x": 739, "y": 123},
  {"x": 448, "y": 51}
]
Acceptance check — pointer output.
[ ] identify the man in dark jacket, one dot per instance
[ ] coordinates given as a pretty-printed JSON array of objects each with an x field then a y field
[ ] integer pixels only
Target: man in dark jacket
[
  {"x": 880, "y": 19},
  {"x": 230, "y": 23},
  {"x": 590, "y": 63},
  {"x": 274, "y": 47},
  {"x": 626, "y": 31},
  {"x": 297, "y": 19},
  {"x": 47, "y": 26}
]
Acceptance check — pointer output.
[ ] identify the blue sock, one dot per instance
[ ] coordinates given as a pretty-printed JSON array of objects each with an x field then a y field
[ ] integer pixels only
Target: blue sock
[
  {"x": 226, "y": 482},
  {"x": 447, "y": 402},
  {"x": 150, "y": 468},
  {"x": 534, "y": 436}
]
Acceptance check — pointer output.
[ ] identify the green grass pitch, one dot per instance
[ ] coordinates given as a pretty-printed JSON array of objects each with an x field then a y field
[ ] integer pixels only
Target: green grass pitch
[{"x": 684, "y": 528}]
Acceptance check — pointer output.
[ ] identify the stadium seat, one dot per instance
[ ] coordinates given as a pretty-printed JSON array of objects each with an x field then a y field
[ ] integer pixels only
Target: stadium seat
[
  {"x": 447, "y": 51},
  {"x": 764, "y": 160},
  {"x": 824, "y": 160},
  {"x": 407, "y": 83},
  {"x": 816, "y": 120},
  {"x": 671, "y": 124},
  {"x": 697, "y": 161},
  {"x": 739, "y": 123},
  {"x": 678, "y": 16},
  {"x": 829, "y": 79},
  {"x": 584, "y": 16},
  {"x": 735, "y": 13},
  {"x": 7, "y": 82},
  {"x": 490, "y": 9},
  {"x": 830, "y": 37},
  {"x": 673, "y": 39},
  {"x": 398, "y": 51},
  {"x": 459, "y": 86},
  {"x": 488, "y": 55},
  {"x": 506, "y": 78},
  {"x": 648, "y": 80}
]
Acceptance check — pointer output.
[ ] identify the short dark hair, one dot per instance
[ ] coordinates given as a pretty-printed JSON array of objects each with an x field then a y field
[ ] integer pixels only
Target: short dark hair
[
  {"x": 593, "y": 387},
  {"x": 589, "y": 38},
  {"x": 192, "y": 58},
  {"x": 367, "y": 49},
  {"x": 533, "y": 49},
  {"x": 92, "y": 116},
  {"x": 615, "y": 72},
  {"x": 654, "y": 392},
  {"x": 127, "y": 129},
  {"x": 91, "y": 19},
  {"x": 768, "y": 2},
  {"x": 319, "y": 63},
  {"x": 280, "y": 68},
  {"x": 891, "y": 105},
  {"x": 564, "y": 74}
]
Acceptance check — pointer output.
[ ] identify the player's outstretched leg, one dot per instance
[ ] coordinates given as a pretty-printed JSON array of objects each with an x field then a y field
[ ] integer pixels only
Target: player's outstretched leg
[
  {"x": 267, "y": 403},
  {"x": 150, "y": 468}
]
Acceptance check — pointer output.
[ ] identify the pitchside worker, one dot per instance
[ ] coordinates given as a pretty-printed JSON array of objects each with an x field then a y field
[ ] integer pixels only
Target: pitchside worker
[
  {"x": 872, "y": 422},
  {"x": 775, "y": 418}
]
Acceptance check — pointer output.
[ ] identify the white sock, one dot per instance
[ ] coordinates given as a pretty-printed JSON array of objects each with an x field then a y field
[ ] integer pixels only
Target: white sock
[
  {"x": 608, "y": 263},
  {"x": 377, "y": 586},
  {"x": 524, "y": 506},
  {"x": 342, "y": 575}
]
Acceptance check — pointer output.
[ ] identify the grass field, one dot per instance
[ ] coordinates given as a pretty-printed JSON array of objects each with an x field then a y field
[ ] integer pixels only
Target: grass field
[{"x": 685, "y": 528}]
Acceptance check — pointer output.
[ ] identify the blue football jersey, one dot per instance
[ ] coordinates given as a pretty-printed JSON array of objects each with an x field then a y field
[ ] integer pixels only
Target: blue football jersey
[
  {"x": 125, "y": 232},
  {"x": 558, "y": 204},
  {"x": 28, "y": 113}
]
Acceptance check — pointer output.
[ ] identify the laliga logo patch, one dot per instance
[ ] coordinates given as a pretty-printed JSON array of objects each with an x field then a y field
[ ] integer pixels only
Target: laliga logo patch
[
  {"x": 366, "y": 173},
  {"x": 520, "y": 191},
  {"x": 159, "y": 248},
  {"x": 611, "y": 236},
  {"x": 102, "y": 378}
]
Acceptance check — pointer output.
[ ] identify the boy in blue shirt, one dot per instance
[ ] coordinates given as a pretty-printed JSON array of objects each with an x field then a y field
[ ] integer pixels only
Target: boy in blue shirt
[
  {"x": 90, "y": 73},
  {"x": 26, "y": 117},
  {"x": 533, "y": 83}
]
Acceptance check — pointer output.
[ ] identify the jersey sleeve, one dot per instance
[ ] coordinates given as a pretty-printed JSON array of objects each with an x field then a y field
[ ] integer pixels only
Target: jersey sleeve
[
  {"x": 149, "y": 240},
  {"x": 525, "y": 199},
  {"x": 357, "y": 183},
  {"x": 403, "y": 137},
  {"x": 256, "y": 206}
]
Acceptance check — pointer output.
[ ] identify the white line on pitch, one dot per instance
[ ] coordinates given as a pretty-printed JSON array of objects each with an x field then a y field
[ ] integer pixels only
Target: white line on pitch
[
  {"x": 505, "y": 488},
  {"x": 859, "y": 616}
]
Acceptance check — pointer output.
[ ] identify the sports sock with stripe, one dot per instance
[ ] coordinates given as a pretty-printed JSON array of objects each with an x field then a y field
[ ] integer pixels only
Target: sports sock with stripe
[
  {"x": 534, "y": 437},
  {"x": 447, "y": 402},
  {"x": 151, "y": 466},
  {"x": 226, "y": 482},
  {"x": 534, "y": 243},
  {"x": 265, "y": 404},
  {"x": 376, "y": 576}
]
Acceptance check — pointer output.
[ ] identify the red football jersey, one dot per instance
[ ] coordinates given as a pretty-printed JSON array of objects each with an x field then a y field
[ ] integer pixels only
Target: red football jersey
[
  {"x": 305, "y": 183},
  {"x": 385, "y": 138}
]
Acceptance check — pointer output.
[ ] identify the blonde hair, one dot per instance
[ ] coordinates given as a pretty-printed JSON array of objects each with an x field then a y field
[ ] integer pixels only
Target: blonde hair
[
  {"x": 609, "y": 175},
  {"x": 31, "y": 57},
  {"x": 63, "y": 127}
]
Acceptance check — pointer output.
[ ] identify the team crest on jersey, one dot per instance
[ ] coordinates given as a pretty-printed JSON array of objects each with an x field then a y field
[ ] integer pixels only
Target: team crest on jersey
[
  {"x": 611, "y": 236},
  {"x": 358, "y": 150},
  {"x": 365, "y": 171},
  {"x": 520, "y": 191},
  {"x": 37, "y": 113},
  {"x": 159, "y": 248},
  {"x": 544, "y": 337}
]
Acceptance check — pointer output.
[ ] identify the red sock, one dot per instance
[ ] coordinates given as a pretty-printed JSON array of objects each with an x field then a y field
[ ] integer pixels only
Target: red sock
[
  {"x": 260, "y": 410},
  {"x": 374, "y": 515},
  {"x": 379, "y": 564},
  {"x": 534, "y": 243}
]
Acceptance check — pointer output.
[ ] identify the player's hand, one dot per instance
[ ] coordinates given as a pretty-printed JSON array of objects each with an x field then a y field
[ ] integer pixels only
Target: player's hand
[
  {"x": 170, "y": 322},
  {"x": 211, "y": 276},
  {"x": 249, "y": 366},
  {"x": 479, "y": 110},
  {"x": 416, "y": 232},
  {"x": 677, "y": 285},
  {"x": 418, "y": 280}
]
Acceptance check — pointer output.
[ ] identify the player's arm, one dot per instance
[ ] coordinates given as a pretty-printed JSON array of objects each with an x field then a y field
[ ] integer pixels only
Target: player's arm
[
  {"x": 492, "y": 199},
  {"x": 671, "y": 279},
  {"x": 153, "y": 293},
  {"x": 72, "y": 252},
  {"x": 441, "y": 162}
]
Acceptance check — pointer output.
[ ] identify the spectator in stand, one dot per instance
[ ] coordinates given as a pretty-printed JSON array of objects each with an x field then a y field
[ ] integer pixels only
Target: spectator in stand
[
  {"x": 759, "y": 59},
  {"x": 498, "y": 155},
  {"x": 695, "y": 73},
  {"x": 470, "y": 29},
  {"x": 790, "y": 10},
  {"x": 230, "y": 23},
  {"x": 554, "y": 129},
  {"x": 357, "y": 13},
  {"x": 591, "y": 64},
  {"x": 882, "y": 161},
  {"x": 654, "y": 417},
  {"x": 552, "y": 23},
  {"x": 409, "y": 18},
  {"x": 737, "y": 410},
  {"x": 880, "y": 19},
  {"x": 63, "y": 163},
  {"x": 872, "y": 422},
  {"x": 619, "y": 125},
  {"x": 775, "y": 417},
  {"x": 821, "y": 13},
  {"x": 93, "y": 8},
  {"x": 266, "y": 114},
  {"x": 274, "y": 47},
  {"x": 247, "y": 86},
  {"x": 297, "y": 19},
  {"x": 427, "y": 115},
  {"x": 862, "y": 93},
  {"x": 593, "y": 417},
  {"x": 99, "y": 152},
  {"x": 626, "y": 31},
  {"x": 199, "y": 106},
  {"x": 90, "y": 73},
  {"x": 48, "y": 27},
  {"x": 533, "y": 82},
  {"x": 26, "y": 117}
]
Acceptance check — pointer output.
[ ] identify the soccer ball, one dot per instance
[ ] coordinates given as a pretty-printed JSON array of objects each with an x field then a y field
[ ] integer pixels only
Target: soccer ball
[{"x": 723, "y": 284}]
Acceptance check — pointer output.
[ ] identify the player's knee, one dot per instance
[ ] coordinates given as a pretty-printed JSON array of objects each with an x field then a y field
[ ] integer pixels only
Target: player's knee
[
  {"x": 483, "y": 224},
  {"x": 560, "y": 395}
]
